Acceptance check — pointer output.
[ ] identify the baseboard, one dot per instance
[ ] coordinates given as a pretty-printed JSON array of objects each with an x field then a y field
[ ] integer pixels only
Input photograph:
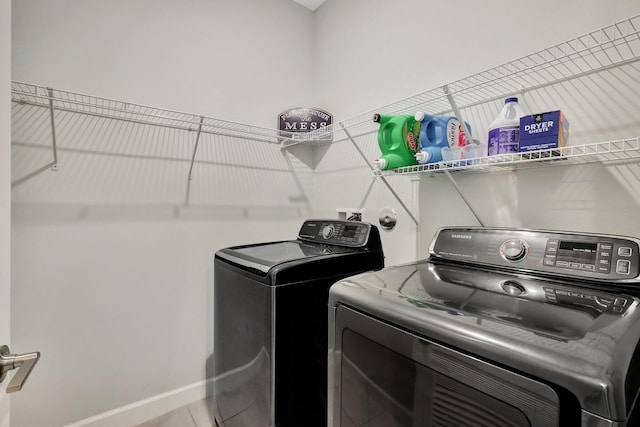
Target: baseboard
[{"x": 147, "y": 409}]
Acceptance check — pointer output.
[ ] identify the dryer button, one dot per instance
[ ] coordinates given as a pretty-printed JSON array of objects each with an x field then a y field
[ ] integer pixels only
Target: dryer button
[
  {"x": 624, "y": 251},
  {"x": 623, "y": 266}
]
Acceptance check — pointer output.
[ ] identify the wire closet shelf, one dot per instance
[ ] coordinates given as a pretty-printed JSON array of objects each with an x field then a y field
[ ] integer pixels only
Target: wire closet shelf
[
  {"x": 610, "y": 47},
  {"x": 62, "y": 100},
  {"x": 604, "y": 152}
]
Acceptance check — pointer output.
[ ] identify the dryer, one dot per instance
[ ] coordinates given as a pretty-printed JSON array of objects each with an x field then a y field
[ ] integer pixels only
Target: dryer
[{"x": 498, "y": 327}]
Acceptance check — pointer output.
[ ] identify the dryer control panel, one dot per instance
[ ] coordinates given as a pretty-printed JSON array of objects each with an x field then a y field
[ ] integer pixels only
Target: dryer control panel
[
  {"x": 589, "y": 256},
  {"x": 336, "y": 232}
]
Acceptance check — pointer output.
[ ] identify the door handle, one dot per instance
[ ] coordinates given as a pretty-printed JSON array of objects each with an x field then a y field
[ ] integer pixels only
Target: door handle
[{"x": 23, "y": 362}]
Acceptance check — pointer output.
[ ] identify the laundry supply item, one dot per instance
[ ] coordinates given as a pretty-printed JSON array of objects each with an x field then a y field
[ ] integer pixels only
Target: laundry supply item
[
  {"x": 504, "y": 131},
  {"x": 398, "y": 140},
  {"x": 436, "y": 133},
  {"x": 543, "y": 131}
]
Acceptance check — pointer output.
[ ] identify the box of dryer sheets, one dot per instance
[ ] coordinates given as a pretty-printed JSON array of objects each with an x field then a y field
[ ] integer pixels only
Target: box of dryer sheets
[{"x": 543, "y": 131}]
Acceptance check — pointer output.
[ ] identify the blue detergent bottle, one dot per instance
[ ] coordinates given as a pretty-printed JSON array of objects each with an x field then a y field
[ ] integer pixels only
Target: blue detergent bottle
[{"x": 437, "y": 132}]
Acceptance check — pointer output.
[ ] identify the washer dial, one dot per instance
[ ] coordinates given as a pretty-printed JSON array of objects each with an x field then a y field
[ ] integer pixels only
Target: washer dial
[
  {"x": 328, "y": 231},
  {"x": 514, "y": 249}
]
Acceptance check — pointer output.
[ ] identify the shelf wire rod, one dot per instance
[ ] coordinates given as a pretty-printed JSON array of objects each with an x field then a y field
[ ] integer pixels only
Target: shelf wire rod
[
  {"x": 457, "y": 113},
  {"x": 382, "y": 178},
  {"x": 366, "y": 195},
  {"x": 54, "y": 165},
  {"x": 46, "y": 167},
  {"x": 193, "y": 158},
  {"x": 296, "y": 180},
  {"x": 464, "y": 199}
]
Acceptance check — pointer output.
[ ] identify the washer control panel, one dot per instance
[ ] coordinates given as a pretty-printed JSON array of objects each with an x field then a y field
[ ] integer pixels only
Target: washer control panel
[
  {"x": 341, "y": 233},
  {"x": 593, "y": 256}
]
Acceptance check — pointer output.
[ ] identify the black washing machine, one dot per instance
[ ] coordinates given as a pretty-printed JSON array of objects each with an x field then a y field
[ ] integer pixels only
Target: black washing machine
[
  {"x": 498, "y": 327},
  {"x": 270, "y": 322}
]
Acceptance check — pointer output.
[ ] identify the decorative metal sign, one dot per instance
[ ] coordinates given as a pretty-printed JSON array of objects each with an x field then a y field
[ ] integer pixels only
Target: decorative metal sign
[{"x": 306, "y": 119}]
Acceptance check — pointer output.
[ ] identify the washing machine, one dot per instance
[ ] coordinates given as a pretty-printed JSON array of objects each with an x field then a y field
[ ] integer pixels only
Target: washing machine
[
  {"x": 498, "y": 327},
  {"x": 270, "y": 322}
]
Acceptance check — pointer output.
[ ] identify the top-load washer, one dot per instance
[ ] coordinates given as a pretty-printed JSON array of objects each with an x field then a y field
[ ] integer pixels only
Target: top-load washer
[
  {"x": 270, "y": 322},
  {"x": 498, "y": 327}
]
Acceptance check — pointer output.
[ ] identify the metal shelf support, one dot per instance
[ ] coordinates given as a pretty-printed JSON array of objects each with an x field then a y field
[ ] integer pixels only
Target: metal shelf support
[
  {"x": 193, "y": 159},
  {"x": 382, "y": 178},
  {"x": 54, "y": 166},
  {"x": 466, "y": 131}
]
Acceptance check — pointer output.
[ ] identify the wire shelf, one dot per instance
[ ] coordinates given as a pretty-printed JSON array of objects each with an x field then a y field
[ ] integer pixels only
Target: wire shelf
[
  {"x": 609, "y": 47},
  {"x": 603, "y": 152},
  {"x": 31, "y": 94}
]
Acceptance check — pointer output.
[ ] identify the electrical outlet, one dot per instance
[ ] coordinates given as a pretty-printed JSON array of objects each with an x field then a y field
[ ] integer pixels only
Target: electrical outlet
[{"x": 353, "y": 214}]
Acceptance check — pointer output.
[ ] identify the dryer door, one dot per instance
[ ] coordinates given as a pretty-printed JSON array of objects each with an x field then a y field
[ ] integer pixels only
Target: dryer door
[{"x": 384, "y": 376}]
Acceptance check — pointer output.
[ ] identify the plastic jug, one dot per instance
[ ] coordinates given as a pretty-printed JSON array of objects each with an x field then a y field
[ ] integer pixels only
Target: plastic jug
[
  {"x": 437, "y": 132},
  {"x": 504, "y": 132},
  {"x": 398, "y": 140}
]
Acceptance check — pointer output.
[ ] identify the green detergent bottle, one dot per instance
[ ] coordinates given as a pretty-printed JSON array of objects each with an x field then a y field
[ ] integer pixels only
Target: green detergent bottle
[{"x": 398, "y": 140}]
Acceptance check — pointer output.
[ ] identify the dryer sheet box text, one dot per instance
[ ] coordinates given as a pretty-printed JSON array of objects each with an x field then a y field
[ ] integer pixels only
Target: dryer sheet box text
[{"x": 543, "y": 131}]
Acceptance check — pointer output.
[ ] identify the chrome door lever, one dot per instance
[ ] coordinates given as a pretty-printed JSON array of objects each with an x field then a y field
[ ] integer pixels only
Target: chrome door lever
[{"x": 23, "y": 362}]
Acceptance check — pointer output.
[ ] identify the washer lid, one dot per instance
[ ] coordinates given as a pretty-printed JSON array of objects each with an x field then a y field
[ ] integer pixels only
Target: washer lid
[{"x": 264, "y": 256}]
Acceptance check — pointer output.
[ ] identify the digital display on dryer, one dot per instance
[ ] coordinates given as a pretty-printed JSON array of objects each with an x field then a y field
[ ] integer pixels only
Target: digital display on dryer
[{"x": 577, "y": 252}]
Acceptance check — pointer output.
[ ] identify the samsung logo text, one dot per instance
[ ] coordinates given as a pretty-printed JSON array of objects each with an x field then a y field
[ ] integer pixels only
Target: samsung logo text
[{"x": 462, "y": 236}]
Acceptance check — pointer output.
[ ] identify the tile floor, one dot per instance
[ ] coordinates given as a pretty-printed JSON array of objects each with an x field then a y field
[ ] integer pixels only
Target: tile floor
[{"x": 196, "y": 414}]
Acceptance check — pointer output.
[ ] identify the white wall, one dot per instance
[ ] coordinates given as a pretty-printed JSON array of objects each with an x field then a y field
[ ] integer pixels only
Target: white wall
[
  {"x": 112, "y": 272},
  {"x": 370, "y": 54},
  {"x": 128, "y": 286},
  {"x": 234, "y": 60},
  {"x": 5, "y": 192}
]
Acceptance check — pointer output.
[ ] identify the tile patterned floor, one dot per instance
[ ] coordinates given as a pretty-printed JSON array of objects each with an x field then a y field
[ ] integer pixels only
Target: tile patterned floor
[{"x": 196, "y": 414}]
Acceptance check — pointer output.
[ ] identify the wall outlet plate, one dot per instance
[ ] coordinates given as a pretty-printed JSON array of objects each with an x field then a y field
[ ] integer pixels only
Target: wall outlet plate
[{"x": 354, "y": 214}]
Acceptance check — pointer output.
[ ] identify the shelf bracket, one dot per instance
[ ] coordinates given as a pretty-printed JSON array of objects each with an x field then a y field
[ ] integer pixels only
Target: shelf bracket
[
  {"x": 193, "y": 159},
  {"x": 464, "y": 199},
  {"x": 366, "y": 195},
  {"x": 456, "y": 112},
  {"x": 54, "y": 166},
  {"x": 466, "y": 131},
  {"x": 296, "y": 179},
  {"x": 382, "y": 178}
]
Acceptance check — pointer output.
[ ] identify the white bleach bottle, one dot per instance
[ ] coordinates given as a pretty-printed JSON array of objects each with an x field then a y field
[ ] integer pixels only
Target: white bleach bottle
[{"x": 504, "y": 132}]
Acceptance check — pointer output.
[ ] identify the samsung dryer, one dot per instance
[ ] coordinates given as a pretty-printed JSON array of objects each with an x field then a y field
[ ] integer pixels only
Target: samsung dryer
[{"x": 499, "y": 327}]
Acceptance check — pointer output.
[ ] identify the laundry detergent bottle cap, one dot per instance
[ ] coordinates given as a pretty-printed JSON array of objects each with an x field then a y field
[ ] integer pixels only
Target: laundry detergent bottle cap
[
  {"x": 420, "y": 116},
  {"x": 397, "y": 139},
  {"x": 422, "y": 157}
]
